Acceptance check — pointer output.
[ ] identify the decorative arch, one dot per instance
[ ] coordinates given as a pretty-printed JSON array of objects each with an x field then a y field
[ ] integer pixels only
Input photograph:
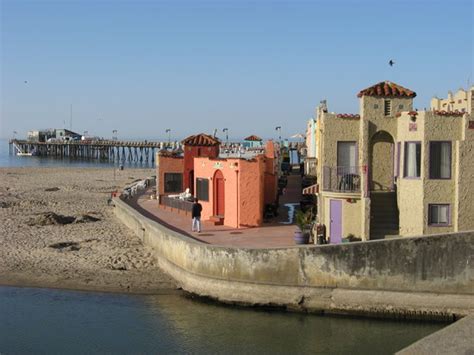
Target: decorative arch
[{"x": 381, "y": 155}]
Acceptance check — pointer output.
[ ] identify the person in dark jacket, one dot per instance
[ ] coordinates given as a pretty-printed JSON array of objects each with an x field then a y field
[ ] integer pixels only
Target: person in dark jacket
[{"x": 196, "y": 215}]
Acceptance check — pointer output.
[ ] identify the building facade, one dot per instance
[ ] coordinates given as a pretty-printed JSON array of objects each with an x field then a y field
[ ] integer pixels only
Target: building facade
[
  {"x": 390, "y": 170},
  {"x": 233, "y": 190},
  {"x": 311, "y": 148}
]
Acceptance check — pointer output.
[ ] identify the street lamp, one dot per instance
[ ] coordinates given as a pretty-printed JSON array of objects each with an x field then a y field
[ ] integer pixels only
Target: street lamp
[
  {"x": 114, "y": 135},
  {"x": 168, "y": 130},
  {"x": 14, "y": 135},
  {"x": 226, "y": 131},
  {"x": 278, "y": 129}
]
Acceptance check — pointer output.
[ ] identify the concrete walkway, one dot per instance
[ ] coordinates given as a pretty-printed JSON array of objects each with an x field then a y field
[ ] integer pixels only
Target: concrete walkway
[
  {"x": 277, "y": 233},
  {"x": 458, "y": 338}
]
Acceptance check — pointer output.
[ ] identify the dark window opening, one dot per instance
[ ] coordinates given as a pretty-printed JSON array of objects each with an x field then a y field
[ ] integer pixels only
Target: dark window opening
[
  {"x": 202, "y": 189},
  {"x": 173, "y": 182},
  {"x": 440, "y": 160}
]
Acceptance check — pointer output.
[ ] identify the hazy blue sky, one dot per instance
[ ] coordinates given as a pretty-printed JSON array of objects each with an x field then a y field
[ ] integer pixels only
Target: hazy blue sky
[{"x": 143, "y": 66}]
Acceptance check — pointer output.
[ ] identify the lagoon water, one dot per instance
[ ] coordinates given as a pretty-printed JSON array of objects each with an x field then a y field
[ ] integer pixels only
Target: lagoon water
[
  {"x": 45, "y": 321},
  {"x": 68, "y": 322}
]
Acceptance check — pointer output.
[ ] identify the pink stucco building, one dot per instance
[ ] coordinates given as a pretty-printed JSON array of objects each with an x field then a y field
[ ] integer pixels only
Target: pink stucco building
[{"x": 233, "y": 188}]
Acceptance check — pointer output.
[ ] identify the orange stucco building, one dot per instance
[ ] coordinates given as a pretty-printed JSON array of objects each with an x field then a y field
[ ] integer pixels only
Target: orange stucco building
[{"x": 233, "y": 190}]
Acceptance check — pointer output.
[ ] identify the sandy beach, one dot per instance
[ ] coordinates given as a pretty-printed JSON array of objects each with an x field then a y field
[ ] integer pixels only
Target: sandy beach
[{"x": 56, "y": 230}]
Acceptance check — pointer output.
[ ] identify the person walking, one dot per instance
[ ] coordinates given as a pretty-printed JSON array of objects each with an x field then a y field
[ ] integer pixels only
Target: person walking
[{"x": 196, "y": 215}]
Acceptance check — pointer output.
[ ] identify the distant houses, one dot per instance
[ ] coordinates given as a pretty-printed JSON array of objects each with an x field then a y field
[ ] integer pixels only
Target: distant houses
[
  {"x": 46, "y": 135},
  {"x": 391, "y": 170}
]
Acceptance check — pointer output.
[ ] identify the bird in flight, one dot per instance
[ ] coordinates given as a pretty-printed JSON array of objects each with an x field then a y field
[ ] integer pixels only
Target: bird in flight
[{"x": 391, "y": 63}]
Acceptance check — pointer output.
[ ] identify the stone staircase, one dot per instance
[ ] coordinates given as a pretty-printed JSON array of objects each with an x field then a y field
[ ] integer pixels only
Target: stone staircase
[{"x": 384, "y": 220}]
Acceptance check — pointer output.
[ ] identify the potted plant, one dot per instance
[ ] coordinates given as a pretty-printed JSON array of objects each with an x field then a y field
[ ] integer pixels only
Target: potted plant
[{"x": 303, "y": 223}]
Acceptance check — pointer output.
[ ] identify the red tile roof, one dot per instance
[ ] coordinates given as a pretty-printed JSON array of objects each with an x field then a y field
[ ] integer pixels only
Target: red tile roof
[
  {"x": 348, "y": 115},
  {"x": 449, "y": 113},
  {"x": 253, "y": 138},
  {"x": 169, "y": 153},
  {"x": 387, "y": 89},
  {"x": 201, "y": 140}
]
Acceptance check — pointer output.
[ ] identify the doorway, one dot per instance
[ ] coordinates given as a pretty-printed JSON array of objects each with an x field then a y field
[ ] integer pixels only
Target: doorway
[
  {"x": 381, "y": 162},
  {"x": 219, "y": 194},
  {"x": 335, "y": 225}
]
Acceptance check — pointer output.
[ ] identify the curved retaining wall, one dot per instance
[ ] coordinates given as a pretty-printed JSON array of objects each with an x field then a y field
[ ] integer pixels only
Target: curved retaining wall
[{"x": 420, "y": 277}]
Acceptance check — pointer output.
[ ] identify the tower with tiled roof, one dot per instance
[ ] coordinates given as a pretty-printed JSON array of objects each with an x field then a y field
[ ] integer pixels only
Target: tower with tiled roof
[
  {"x": 198, "y": 145},
  {"x": 385, "y": 99}
]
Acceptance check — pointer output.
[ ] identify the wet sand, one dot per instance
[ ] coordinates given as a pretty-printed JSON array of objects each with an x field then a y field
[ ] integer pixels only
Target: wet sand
[{"x": 56, "y": 230}]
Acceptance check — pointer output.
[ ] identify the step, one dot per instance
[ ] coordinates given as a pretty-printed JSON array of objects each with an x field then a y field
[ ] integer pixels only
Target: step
[{"x": 217, "y": 220}]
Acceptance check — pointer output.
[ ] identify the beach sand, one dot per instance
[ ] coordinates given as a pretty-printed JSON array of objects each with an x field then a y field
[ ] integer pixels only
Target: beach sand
[{"x": 38, "y": 250}]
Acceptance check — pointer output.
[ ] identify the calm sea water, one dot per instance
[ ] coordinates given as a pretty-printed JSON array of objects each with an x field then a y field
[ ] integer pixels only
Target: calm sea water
[
  {"x": 43, "y": 321},
  {"x": 12, "y": 160}
]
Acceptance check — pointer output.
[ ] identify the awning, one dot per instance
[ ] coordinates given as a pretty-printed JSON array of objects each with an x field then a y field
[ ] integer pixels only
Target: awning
[{"x": 311, "y": 190}]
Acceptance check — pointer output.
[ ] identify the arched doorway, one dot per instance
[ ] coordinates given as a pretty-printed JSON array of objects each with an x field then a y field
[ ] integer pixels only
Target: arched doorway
[
  {"x": 219, "y": 194},
  {"x": 384, "y": 214},
  {"x": 381, "y": 162}
]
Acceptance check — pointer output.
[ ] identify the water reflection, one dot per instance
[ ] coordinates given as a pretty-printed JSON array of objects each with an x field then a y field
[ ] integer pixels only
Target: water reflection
[
  {"x": 55, "y": 321},
  {"x": 224, "y": 329}
]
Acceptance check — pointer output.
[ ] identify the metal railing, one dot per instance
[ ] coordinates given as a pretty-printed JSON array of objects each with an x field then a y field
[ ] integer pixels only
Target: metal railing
[
  {"x": 177, "y": 203},
  {"x": 342, "y": 178}
]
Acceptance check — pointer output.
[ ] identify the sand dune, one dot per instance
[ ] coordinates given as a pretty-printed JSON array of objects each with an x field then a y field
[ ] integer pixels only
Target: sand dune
[{"x": 56, "y": 230}]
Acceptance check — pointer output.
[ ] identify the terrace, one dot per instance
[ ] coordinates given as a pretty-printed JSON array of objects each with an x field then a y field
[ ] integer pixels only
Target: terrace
[{"x": 276, "y": 233}]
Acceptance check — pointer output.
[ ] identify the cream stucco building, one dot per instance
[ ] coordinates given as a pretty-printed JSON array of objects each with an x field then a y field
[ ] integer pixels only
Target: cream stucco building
[
  {"x": 390, "y": 170},
  {"x": 311, "y": 147}
]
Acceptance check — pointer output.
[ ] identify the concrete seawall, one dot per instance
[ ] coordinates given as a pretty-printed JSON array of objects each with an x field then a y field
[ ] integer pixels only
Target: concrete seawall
[{"x": 421, "y": 277}]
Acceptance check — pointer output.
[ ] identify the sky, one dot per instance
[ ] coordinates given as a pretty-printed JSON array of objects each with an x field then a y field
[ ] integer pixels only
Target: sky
[{"x": 141, "y": 67}]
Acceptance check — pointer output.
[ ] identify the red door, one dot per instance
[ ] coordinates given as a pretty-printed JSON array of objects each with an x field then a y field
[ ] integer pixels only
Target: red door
[{"x": 219, "y": 194}]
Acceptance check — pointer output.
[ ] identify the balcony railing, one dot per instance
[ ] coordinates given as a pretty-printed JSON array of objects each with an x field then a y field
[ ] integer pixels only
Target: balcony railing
[
  {"x": 342, "y": 178},
  {"x": 176, "y": 203}
]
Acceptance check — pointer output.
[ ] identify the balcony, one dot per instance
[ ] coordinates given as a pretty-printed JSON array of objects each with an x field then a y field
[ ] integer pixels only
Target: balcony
[{"x": 342, "y": 179}]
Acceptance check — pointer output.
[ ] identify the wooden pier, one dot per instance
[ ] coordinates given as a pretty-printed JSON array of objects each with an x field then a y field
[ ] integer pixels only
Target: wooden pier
[
  {"x": 110, "y": 150},
  {"x": 130, "y": 151}
]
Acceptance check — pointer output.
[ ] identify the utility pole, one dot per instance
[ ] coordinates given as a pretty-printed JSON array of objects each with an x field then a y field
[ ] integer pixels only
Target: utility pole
[
  {"x": 278, "y": 129},
  {"x": 168, "y": 130},
  {"x": 226, "y": 131}
]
